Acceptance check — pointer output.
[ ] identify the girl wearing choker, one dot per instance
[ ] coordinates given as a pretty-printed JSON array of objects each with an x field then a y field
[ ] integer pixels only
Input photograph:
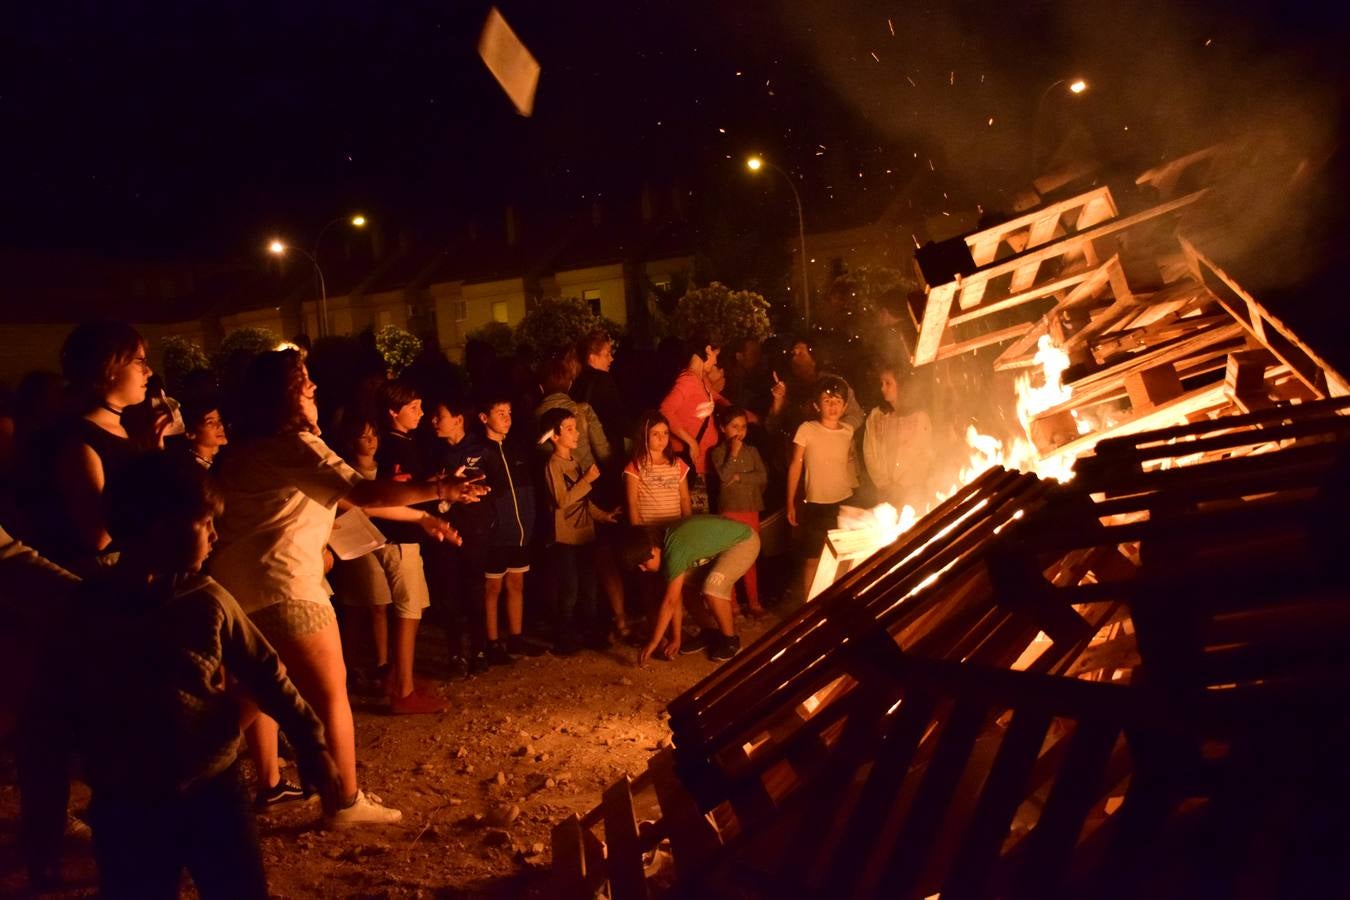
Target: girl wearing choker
[{"x": 106, "y": 371}]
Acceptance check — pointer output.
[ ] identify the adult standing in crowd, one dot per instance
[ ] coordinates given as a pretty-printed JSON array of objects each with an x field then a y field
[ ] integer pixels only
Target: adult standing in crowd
[
  {"x": 282, "y": 485},
  {"x": 689, "y": 404}
]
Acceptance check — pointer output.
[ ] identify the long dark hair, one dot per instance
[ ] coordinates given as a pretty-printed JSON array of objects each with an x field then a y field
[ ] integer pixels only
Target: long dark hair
[
  {"x": 270, "y": 403},
  {"x": 646, "y": 422}
]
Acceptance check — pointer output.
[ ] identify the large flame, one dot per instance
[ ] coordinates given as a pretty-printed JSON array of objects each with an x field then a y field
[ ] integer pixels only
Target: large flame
[{"x": 1039, "y": 389}]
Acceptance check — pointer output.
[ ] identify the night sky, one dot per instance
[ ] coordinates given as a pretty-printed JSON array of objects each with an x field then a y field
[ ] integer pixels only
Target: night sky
[{"x": 192, "y": 130}]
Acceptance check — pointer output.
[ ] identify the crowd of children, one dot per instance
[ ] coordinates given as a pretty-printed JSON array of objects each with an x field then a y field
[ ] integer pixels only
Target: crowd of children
[{"x": 237, "y": 542}]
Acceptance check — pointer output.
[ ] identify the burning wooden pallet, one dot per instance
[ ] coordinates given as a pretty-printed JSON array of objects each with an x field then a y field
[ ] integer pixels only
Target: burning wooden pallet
[{"x": 1116, "y": 686}]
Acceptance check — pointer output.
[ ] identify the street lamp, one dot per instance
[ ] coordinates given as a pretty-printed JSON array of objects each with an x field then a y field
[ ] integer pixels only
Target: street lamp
[
  {"x": 754, "y": 164},
  {"x": 1076, "y": 86},
  {"x": 279, "y": 248}
]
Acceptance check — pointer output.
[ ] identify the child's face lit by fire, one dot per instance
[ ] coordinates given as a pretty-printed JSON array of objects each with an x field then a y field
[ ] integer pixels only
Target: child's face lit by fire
[
  {"x": 735, "y": 429},
  {"x": 658, "y": 437},
  {"x": 890, "y": 389}
]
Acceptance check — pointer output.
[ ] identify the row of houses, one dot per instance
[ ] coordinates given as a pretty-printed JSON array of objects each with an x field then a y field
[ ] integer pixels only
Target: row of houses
[{"x": 445, "y": 292}]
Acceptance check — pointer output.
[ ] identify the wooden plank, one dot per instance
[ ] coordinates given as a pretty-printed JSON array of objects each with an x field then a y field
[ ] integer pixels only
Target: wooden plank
[
  {"x": 1002, "y": 794},
  {"x": 1076, "y": 790},
  {"x": 1189, "y": 403},
  {"x": 1152, "y": 387},
  {"x": 934, "y": 324},
  {"x": 569, "y": 858},
  {"x": 1029, "y": 219},
  {"x": 1038, "y": 293},
  {"x": 1310, "y": 368},
  {"x": 627, "y": 878},
  {"x": 693, "y": 840},
  {"x": 940, "y": 297},
  {"x": 985, "y": 340}
]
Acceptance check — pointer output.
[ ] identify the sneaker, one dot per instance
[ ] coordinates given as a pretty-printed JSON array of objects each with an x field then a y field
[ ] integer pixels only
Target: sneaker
[
  {"x": 478, "y": 664},
  {"x": 724, "y": 648},
  {"x": 517, "y": 646},
  {"x": 497, "y": 655},
  {"x": 696, "y": 643},
  {"x": 279, "y": 795},
  {"x": 366, "y": 809},
  {"x": 459, "y": 667},
  {"x": 416, "y": 703}
]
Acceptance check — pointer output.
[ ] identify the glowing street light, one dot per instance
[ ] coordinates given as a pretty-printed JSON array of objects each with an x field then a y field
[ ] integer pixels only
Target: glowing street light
[
  {"x": 280, "y": 248},
  {"x": 754, "y": 164},
  {"x": 1076, "y": 86}
]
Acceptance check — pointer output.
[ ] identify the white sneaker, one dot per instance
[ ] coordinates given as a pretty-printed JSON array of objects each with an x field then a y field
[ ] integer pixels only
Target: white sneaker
[{"x": 367, "y": 810}]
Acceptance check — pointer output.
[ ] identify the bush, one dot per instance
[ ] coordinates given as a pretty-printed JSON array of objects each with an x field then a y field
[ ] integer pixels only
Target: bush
[
  {"x": 556, "y": 325},
  {"x": 182, "y": 356},
  {"x": 398, "y": 346},
  {"x": 245, "y": 341},
  {"x": 734, "y": 315},
  {"x": 496, "y": 335}
]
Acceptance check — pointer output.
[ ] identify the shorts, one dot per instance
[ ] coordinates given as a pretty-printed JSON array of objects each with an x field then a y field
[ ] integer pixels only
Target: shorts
[
  {"x": 815, "y": 521},
  {"x": 729, "y": 566},
  {"x": 392, "y": 574},
  {"x": 497, "y": 561},
  {"x": 292, "y": 619}
]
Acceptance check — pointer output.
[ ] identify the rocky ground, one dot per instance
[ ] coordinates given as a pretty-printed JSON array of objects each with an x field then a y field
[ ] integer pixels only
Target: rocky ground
[{"x": 480, "y": 786}]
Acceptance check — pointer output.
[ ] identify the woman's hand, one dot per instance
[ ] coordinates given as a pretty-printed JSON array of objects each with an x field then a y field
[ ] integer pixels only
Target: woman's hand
[
  {"x": 591, "y": 474},
  {"x": 792, "y": 514}
]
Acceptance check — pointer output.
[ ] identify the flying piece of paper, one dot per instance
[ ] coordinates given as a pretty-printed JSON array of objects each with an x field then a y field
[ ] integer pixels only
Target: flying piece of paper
[{"x": 509, "y": 61}]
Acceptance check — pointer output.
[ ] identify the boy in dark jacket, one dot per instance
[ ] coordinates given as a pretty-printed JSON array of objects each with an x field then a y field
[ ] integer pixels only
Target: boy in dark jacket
[{"x": 506, "y": 538}]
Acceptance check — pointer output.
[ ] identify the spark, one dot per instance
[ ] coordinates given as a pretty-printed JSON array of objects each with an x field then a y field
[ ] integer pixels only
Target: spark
[
  {"x": 874, "y": 56},
  {"x": 951, "y": 78},
  {"x": 722, "y": 131},
  {"x": 891, "y": 26},
  {"x": 738, "y": 74},
  {"x": 1208, "y": 42},
  {"x": 991, "y": 120},
  {"x": 911, "y": 81},
  {"x": 931, "y": 167}
]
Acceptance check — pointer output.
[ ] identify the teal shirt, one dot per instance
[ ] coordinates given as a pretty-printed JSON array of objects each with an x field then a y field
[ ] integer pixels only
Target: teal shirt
[{"x": 697, "y": 540}]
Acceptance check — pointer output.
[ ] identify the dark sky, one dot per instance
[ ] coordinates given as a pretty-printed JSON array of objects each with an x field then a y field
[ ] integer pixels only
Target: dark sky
[{"x": 193, "y": 129}]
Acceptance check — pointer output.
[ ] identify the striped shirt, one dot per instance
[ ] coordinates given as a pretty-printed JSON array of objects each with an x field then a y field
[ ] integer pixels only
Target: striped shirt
[{"x": 658, "y": 490}]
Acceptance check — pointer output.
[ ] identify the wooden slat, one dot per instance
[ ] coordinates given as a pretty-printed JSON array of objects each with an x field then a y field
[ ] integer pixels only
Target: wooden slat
[
  {"x": 998, "y": 802},
  {"x": 569, "y": 859},
  {"x": 627, "y": 878},
  {"x": 1310, "y": 368},
  {"x": 693, "y": 840}
]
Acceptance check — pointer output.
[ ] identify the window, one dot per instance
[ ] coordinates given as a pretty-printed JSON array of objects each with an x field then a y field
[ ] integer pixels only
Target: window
[
  {"x": 499, "y": 311},
  {"x": 461, "y": 309},
  {"x": 592, "y": 299}
]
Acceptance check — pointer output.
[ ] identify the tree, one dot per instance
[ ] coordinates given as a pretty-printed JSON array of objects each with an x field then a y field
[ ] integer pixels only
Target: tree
[
  {"x": 554, "y": 326},
  {"x": 734, "y": 315},
  {"x": 245, "y": 342},
  {"x": 496, "y": 335},
  {"x": 398, "y": 346},
  {"x": 182, "y": 356}
]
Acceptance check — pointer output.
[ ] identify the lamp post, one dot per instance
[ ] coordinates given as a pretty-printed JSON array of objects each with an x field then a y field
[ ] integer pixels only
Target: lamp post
[
  {"x": 754, "y": 164},
  {"x": 278, "y": 248},
  {"x": 1076, "y": 87}
]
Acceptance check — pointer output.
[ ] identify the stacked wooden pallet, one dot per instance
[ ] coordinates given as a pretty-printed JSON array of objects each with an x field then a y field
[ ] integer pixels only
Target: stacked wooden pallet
[{"x": 1130, "y": 685}]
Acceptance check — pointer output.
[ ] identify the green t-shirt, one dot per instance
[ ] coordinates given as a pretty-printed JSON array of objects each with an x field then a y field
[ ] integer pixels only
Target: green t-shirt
[{"x": 697, "y": 540}]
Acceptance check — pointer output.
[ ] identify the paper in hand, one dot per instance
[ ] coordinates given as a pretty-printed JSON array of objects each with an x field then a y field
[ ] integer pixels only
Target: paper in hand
[{"x": 509, "y": 61}]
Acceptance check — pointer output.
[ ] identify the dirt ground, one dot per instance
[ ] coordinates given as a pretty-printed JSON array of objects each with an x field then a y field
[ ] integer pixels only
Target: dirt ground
[{"x": 480, "y": 786}]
